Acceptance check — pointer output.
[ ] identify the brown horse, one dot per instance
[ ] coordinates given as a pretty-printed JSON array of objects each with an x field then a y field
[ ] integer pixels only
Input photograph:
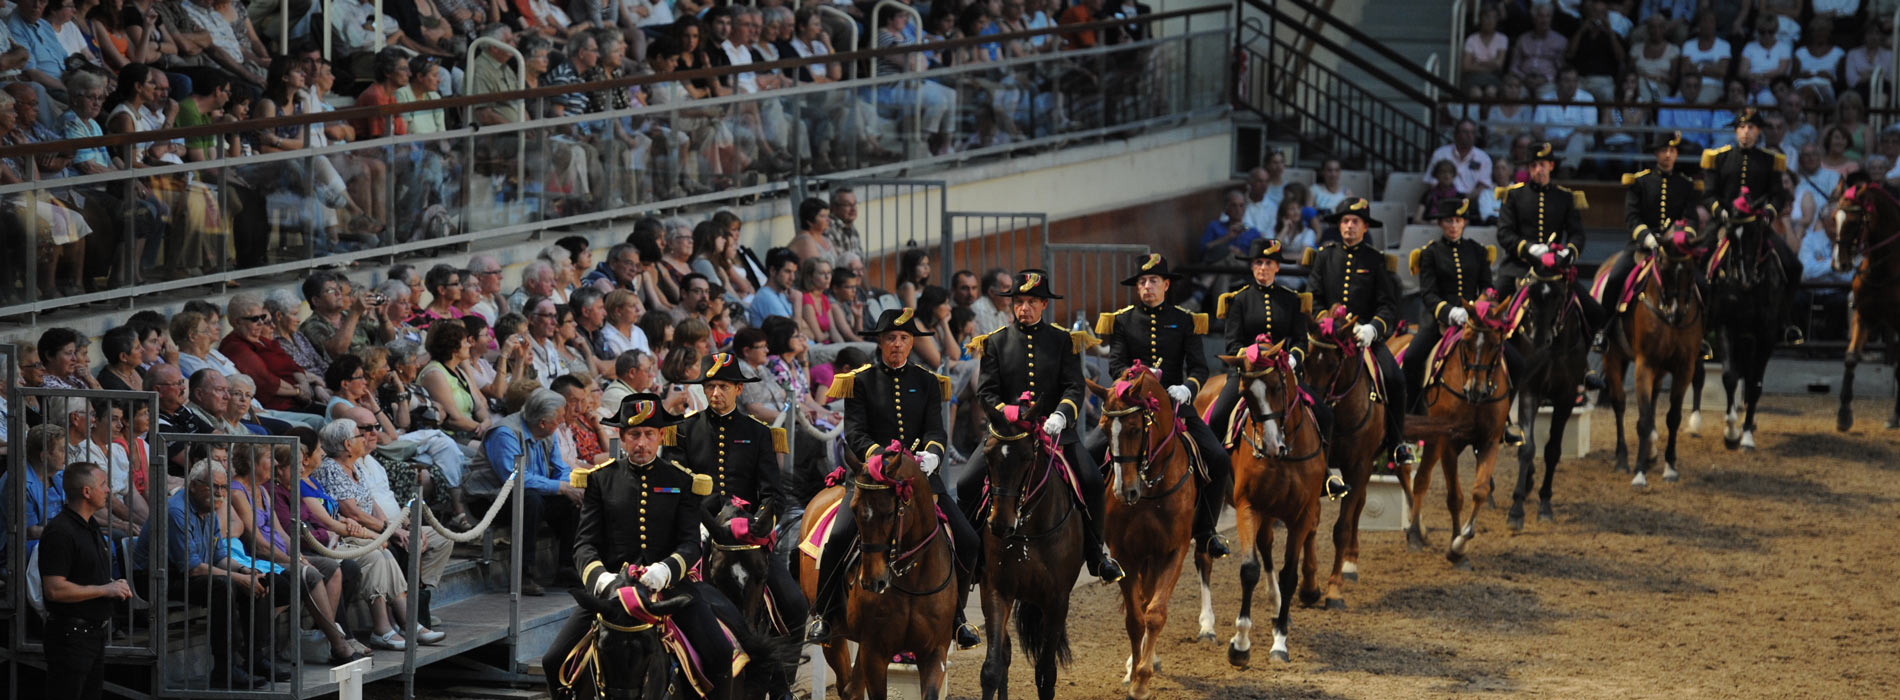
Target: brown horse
[
  {"x": 902, "y": 599},
  {"x": 1150, "y": 510},
  {"x": 1662, "y": 335},
  {"x": 1870, "y": 229},
  {"x": 1279, "y": 475},
  {"x": 1336, "y": 368},
  {"x": 1031, "y": 557},
  {"x": 1472, "y": 389}
]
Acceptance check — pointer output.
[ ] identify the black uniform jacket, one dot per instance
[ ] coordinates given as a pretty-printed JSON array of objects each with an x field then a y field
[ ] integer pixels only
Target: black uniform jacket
[
  {"x": 638, "y": 514},
  {"x": 882, "y": 405},
  {"x": 1272, "y": 310},
  {"x": 738, "y": 452},
  {"x": 1359, "y": 277},
  {"x": 1653, "y": 199},
  {"x": 1530, "y": 214},
  {"x": 1451, "y": 273},
  {"x": 1165, "y": 337},
  {"x": 1728, "y": 169},
  {"x": 1043, "y": 360}
]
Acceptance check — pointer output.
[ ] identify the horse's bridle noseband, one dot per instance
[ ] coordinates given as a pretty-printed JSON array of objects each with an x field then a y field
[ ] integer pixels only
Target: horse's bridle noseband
[{"x": 1151, "y": 454}]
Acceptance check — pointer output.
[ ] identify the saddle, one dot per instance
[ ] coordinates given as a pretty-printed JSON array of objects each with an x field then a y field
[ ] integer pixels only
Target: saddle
[{"x": 813, "y": 544}]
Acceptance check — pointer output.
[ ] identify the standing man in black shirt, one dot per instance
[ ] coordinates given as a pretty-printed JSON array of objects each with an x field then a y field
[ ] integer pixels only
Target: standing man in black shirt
[{"x": 76, "y": 573}]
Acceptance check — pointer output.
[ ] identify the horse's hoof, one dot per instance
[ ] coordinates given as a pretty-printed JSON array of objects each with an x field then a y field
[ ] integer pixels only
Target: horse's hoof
[
  {"x": 1351, "y": 576},
  {"x": 1845, "y": 421},
  {"x": 1335, "y": 603},
  {"x": 1308, "y": 598},
  {"x": 1281, "y": 657},
  {"x": 1414, "y": 540},
  {"x": 1204, "y": 637},
  {"x": 1640, "y": 482},
  {"x": 1545, "y": 514},
  {"x": 1622, "y": 466},
  {"x": 1238, "y": 658},
  {"x": 1458, "y": 561},
  {"x": 1748, "y": 442},
  {"x": 1893, "y": 422},
  {"x": 1731, "y": 444},
  {"x": 1670, "y": 474},
  {"x": 1157, "y": 664},
  {"x": 1515, "y": 520},
  {"x": 1695, "y": 422}
]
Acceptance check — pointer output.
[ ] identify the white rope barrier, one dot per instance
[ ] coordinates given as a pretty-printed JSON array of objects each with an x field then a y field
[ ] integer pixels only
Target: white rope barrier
[{"x": 393, "y": 524}]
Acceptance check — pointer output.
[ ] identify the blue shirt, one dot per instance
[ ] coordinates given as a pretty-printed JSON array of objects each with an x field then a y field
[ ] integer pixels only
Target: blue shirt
[
  {"x": 1217, "y": 228},
  {"x": 1817, "y": 260},
  {"x": 72, "y": 127},
  {"x": 546, "y": 471},
  {"x": 191, "y": 538},
  {"x": 1688, "y": 120},
  {"x": 42, "y": 45},
  {"x": 767, "y": 302},
  {"x": 43, "y": 501}
]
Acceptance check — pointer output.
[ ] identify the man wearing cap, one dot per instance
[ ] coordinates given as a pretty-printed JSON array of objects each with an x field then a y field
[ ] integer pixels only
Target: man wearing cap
[
  {"x": 893, "y": 400},
  {"x": 1744, "y": 182},
  {"x": 740, "y": 454},
  {"x": 642, "y": 511},
  {"x": 1452, "y": 272},
  {"x": 1653, "y": 200},
  {"x": 1044, "y": 361},
  {"x": 1355, "y": 275},
  {"x": 1264, "y": 308},
  {"x": 1538, "y": 218},
  {"x": 1167, "y": 338}
]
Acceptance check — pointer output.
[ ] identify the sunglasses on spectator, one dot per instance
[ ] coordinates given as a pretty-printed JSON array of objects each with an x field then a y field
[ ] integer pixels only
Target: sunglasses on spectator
[{"x": 259, "y": 318}]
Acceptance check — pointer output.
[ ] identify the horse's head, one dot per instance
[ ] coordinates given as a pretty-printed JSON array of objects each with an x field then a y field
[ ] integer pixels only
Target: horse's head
[
  {"x": 1333, "y": 349},
  {"x": 1010, "y": 458},
  {"x": 740, "y": 533},
  {"x": 1271, "y": 390},
  {"x": 1482, "y": 347},
  {"x": 1866, "y": 205},
  {"x": 1131, "y": 410},
  {"x": 891, "y": 494},
  {"x": 630, "y": 655}
]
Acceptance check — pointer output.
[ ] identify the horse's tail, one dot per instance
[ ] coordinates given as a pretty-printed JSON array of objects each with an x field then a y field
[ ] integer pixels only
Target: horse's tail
[
  {"x": 774, "y": 667},
  {"x": 1039, "y": 635}
]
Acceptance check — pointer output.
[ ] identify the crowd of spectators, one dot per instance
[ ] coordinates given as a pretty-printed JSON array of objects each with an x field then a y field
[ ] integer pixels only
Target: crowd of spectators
[
  {"x": 435, "y": 384},
  {"x": 77, "y": 68}
]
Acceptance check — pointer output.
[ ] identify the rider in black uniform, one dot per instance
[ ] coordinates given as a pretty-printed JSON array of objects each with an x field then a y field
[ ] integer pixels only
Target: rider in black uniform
[
  {"x": 1168, "y": 338},
  {"x": 741, "y": 455},
  {"x": 1030, "y": 356},
  {"x": 1744, "y": 182},
  {"x": 1353, "y": 274},
  {"x": 1452, "y": 271},
  {"x": 1654, "y": 200},
  {"x": 641, "y": 510},
  {"x": 893, "y": 400},
  {"x": 1534, "y": 219}
]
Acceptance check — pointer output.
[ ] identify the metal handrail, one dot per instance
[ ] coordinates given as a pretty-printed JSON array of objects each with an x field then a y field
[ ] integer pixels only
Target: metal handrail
[
  {"x": 1456, "y": 51},
  {"x": 1357, "y": 36},
  {"x": 849, "y": 69},
  {"x": 1382, "y": 131}
]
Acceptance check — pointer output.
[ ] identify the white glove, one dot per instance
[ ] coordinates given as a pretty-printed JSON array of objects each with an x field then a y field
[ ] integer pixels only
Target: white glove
[
  {"x": 1538, "y": 250},
  {"x": 1292, "y": 361},
  {"x": 1366, "y": 334},
  {"x": 656, "y": 577},
  {"x": 1180, "y": 394},
  {"x": 1650, "y": 242},
  {"x": 928, "y": 462},
  {"x": 1055, "y": 424},
  {"x": 602, "y": 582},
  {"x": 1567, "y": 254},
  {"x": 1458, "y": 316}
]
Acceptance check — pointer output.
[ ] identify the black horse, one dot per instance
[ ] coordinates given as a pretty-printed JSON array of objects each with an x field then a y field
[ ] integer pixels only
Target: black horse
[
  {"x": 737, "y": 563},
  {"x": 629, "y": 659},
  {"x": 1748, "y": 304},
  {"x": 1550, "y": 335}
]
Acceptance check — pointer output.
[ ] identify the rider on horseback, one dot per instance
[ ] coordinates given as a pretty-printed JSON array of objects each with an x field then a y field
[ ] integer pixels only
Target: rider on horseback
[
  {"x": 892, "y": 400},
  {"x": 641, "y": 510},
  {"x": 1360, "y": 277},
  {"x": 1280, "y": 314},
  {"x": 740, "y": 454},
  {"x": 1452, "y": 271},
  {"x": 1168, "y": 338},
  {"x": 1010, "y": 357},
  {"x": 1537, "y": 218},
  {"x": 1655, "y": 199},
  {"x": 1744, "y": 183}
]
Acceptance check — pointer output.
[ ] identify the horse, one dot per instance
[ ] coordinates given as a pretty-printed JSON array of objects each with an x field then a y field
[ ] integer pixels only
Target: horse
[
  {"x": 902, "y": 600},
  {"x": 1748, "y": 305},
  {"x": 632, "y": 653},
  {"x": 1336, "y": 367},
  {"x": 1548, "y": 329},
  {"x": 1150, "y": 509},
  {"x": 738, "y": 561},
  {"x": 1662, "y": 335},
  {"x": 1473, "y": 388},
  {"x": 1279, "y": 476},
  {"x": 1869, "y": 226},
  {"x": 1031, "y": 556}
]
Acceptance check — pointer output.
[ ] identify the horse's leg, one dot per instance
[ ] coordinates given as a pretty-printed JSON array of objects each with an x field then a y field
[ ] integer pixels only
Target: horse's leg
[
  {"x": 1553, "y": 453},
  {"x": 1056, "y": 613},
  {"x": 930, "y": 672},
  {"x": 1757, "y": 370},
  {"x": 1697, "y": 376},
  {"x": 874, "y": 665},
  {"x": 1893, "y": 359},
  {"x": 1247, "y": 529},
  {"x": 996, "y": 612},
  {"x": 1204, "y": 566},
  {"x": 840, "y": 662},
  {"x": 1526, "y": 457},
  {"x": 1159, "y": 589},
  {"x": 1731, "y": 375},
  {"x": 1353, "y": 505},
  {"x": 1676, "y": 389},
  {"x": 1416, "y": 485},
  {"x": 1646, "y": 380},
  {"x": 1613, "y": 391},
  {"x": 1461, "y": 531},
  {"x": 1845, "y": 420},
  {"x": 1134, "y": 607}
]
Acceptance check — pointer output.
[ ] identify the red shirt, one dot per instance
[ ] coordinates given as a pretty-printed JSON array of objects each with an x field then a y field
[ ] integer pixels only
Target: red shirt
[
  {"x": 370, "y": 128},
  {"x": 267, "y": 365},
  {"x": 1076, "y": 14}
]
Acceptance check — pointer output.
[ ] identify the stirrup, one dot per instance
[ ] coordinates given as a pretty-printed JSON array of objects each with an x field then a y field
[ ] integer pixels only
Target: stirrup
[
  {"x": 968, "y": 636},
  {"x": 1109, "y": 571},
  {"x": 1511, "y": 436},
  {"x": 816, "y": 631},
  {"x": 1793, "y": 335},
  {"x": 1217, "y": 547},
  {"x": 1336, "y": 487}
]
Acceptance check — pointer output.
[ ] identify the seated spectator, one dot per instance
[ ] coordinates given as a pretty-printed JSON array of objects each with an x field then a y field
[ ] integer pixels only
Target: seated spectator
[
  {"x": 546, "y": 491},
  {"x": 775, "y": 299},
  {"x": 680, "y": 372},
  {"x": 1817, "y": 65},
  {"x": 1509, "y": 119},
  {"x": 45, "y": 495},
  {"x": 196, "y": 577},
  {"x": 1813, "y": 181},
  {"x": 1875, "y": 51},
  {"x": 444, "y": 283},
  {"x": 1765, "y": 58},
  {"x": 237, "y": 416},
  {"x": 122, "y": 353},
  {"x": 1472, "y": 164},
  {"x": 817, "y": 317},
  {"x": 538, "y": 280},
  {"x": 809, "y": 242},
  {"x": 621, "y": 332},
  {"x": 939, "y": 101},
  {"x": 72, "y": 221},
  {"x": 1295, "y": 237},
  {"x": 634, "y": 373},
  {"x": 1695, "y": 124},
  {"x": 209, "y": 392},
  {"x": 1817, "y": 258},
  {"x": 174, "y": 414},
  {"x": 1834, "y": 156},
  {"x": 847, "y": 298},
  {"x": 445, "y": 378},
  {"x": 576, "y": 357},
  {"x": 268, "y": 542},
  {"x": 1654, "y": 58},
  {"x": 1444, "y": 186},
  {"x": 1625, "y": 122},
  {"x": 285, "y": 318},
  {"x": 784, "y": 382},
  {"x": 399, "y": 303},
  {"x": 283, "y": 385},
  {"x": 1706, "y": 56},
  {"x": 1786, "y": 14},
  {"x": 1482, "y": 60},
  {"x": 195, "y": 337},
  {"x": 1597, "y": 52},
  {"x": 338, "y": 502},
  {"x": 61, "y": 352},
  {"x": 341, "y": 323},
  {"x": 1538, "y": 53},
  {"x": 695, "y": 334},
  {"x": 1227, "y": 233},
  {"x": 1850, "y": 114},
  {"x": 1501, "y": 172},
  {"x": 579, "y": 438},
  {"x": 1568, "y": 126}
]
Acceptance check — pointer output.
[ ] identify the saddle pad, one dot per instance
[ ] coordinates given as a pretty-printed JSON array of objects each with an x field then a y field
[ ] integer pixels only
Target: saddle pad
[
  {"x": 1435, "y": 362},
  {"x": 813, "y": 544}
]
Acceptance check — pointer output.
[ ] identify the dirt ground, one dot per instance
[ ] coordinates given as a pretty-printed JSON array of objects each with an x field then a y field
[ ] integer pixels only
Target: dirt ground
[{"x": 1765, "y": 574}]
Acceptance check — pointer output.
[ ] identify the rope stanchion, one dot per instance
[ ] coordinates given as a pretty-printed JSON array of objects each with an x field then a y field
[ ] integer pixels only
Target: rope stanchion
[
  {"x": 494, "y": 509},
  {"x": 389, "y": 530},
  {"x": 390, "y": 527}
]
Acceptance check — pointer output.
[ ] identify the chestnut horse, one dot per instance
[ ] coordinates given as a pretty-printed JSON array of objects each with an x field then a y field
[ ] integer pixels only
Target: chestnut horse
[
  {"x": 1150, "y": 510},
  {"x": 1031, "y": 556},
  {"x": 1661, "y": 332},
  {"x": 1472, "y": 388},
  {"x": 902, "y": 599},
  {"x": 1279, "y": 475},
  {"x": 1870, "y": 227},
  {"x": 1336, "y": 367}
]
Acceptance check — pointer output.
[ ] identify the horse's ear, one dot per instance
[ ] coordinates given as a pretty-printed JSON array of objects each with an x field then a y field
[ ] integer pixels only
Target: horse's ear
[
  {"x": 589, "y": 602},
  {"x": 1277, "y": 348},
  {"x": 1229, "y": 360},
  {"x": 669, "y": 606},
  {"x": 1100, "y": 392}
]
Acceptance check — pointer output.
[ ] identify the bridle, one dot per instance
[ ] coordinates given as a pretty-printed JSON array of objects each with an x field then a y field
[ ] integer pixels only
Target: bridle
[
  {"x": 1493, "y": 391},
  {"x": 1335, "y": 336},
  {"x": 907, "y": 558},
  {"x": 1151, "y": 454},
  {"x": 1868, "y": 214},
  {"x": 1036, "y": 482},
  {"x": 1255, "y": 430}
]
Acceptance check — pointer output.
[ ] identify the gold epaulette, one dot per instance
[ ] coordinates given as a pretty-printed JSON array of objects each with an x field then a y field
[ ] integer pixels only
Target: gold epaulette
[
  {"x": 1700, "y": 185},
  {"x": 578, "y": 477},
  {"x": 1391, "y": 263},
  {"x": 975, "y": 346},
  {"x": 1105, "y": 324},
  {"x": 1306, "y": 302},
  {"x": 943, "y": 383},
  {"x": 1200, "y": 321},
  {"x": 1307, "y": 258},
  {"x": 1490, "y": 255},
  {"x": 1576, "y": 198},
  {"x": 1081, "y": 341},
  {"x": 670, "y": 436},
  {"x": 1781, "y": 162},
  {"x": 1501, "y": 191},
  {"x": 845, "y": 383},
  {"x": 702, "y": 484},
  {"x": 779, "y": 440},
  {"x": 1412, "y": 259},
  {"x": 1631, "y": 178},
  {"x": 1708, "y": 156},
  {"x": 1220, "y": 307}
]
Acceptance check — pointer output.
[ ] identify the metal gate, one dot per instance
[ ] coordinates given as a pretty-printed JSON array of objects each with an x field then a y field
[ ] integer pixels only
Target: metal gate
[
  {"x": 894, "y": 215},
  {"x": 1088, "y": 276},
  {"x": 984, "y": 240}
]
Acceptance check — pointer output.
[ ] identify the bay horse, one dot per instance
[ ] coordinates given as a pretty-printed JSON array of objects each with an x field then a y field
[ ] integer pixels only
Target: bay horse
[
  {"x": 1869, "y": 226},
  {"x": 1661, "y": 333},
  {"x": 1031, "y": 556},
  {"x": 1748, "y": 304},
  {"x": 1473, "y": 390},
  {"x": 632, "y": 652},
  {"x": 1150, "y": 509},
  {"x": 1278, "y": 476},
  {"x": 1547, "y": 325},
  {"x": 1336, "y": 367},
  {"x": 737, "y": 561},
  {"x": 902, "y": 600}
]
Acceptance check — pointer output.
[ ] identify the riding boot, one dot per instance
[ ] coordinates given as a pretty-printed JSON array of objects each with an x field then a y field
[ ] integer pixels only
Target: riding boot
[
  {"x": 1213, "y": 492},
  {"x": 831, "y": 576},
  {"x": 1089, "y": 479},
  {"x": 1418, "y": 355},
  {"x": 966, "y": 633},
  {"x": 1223, "y": 409}
]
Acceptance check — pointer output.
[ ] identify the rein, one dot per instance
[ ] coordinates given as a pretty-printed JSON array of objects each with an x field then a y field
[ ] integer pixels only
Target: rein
[
  {"x": 906, "y": 560},
  {"x": 1151, "y": 453},
  {"x": 1026, "y": 502},
  {"x": 1499, "y": 392}
]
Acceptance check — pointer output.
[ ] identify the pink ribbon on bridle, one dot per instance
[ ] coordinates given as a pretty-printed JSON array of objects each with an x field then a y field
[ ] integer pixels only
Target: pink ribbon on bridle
[{"x": 874, "y": 469}]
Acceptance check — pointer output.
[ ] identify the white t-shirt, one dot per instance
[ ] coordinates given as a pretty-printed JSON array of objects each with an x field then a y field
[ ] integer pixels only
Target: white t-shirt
[
  {"x": 1478, "y": 48},
  {"x": 1828, "y": 64},
  {"x": 1762, "y": 58},
  {"x": 1262, "y": 215},
  {"x": 659, "y": 13},
  {"x": 747, "y": 83},
  {"x": 1699, "y": 58},
  {"x": 812, "y": 49},
  {"x": 370, "y": 474}
]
